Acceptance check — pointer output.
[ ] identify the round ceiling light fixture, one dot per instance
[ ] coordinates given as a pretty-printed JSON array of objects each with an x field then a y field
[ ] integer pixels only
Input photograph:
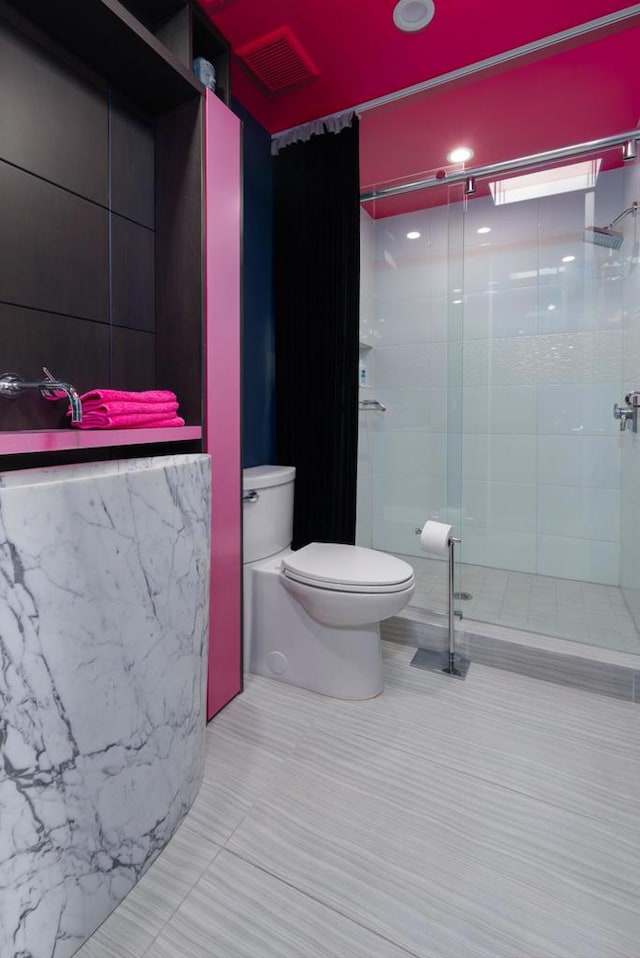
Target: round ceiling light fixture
[
  {"x": 460, "y": 155},
  {"x": 412, "y": 15},
  {"x": 414, "y": 234}
]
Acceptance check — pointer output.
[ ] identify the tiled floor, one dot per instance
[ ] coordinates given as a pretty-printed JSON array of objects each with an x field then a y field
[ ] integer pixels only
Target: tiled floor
[
  {"x": 583, "y": 611},
  {"x": 493, "y": 818}
]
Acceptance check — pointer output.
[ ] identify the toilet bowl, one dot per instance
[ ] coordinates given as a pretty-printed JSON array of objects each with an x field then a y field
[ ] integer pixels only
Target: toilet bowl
[
  {"x": 345, "y": 585},
  {"x": 312, "y": 616}
]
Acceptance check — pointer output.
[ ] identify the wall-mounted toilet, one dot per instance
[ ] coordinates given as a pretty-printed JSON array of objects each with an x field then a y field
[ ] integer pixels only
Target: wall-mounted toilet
[{"x": 312, "y": 617}]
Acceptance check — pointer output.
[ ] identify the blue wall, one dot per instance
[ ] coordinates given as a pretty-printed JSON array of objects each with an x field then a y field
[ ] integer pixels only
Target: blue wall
[{"x": 258, "y": 348}]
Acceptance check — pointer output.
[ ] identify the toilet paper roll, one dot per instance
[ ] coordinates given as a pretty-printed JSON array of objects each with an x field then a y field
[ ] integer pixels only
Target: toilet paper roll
[{"x": 435, "y": 538}]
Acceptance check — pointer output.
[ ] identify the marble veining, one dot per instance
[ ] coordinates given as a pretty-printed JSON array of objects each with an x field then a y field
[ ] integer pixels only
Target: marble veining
[{"x": 104, "y": 572}]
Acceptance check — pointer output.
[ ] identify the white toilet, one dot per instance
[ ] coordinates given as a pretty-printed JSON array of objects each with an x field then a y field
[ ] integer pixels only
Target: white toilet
[{"x": 311, "y": 617}]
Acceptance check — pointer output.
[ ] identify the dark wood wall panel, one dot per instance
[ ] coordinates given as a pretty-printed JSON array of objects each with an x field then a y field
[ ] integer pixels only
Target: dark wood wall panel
[
  {"x": 132, "y": 360},
  {"x": 101, "y": 243},
  {"x": 52, "y": 122},
  {"x": 132, "y": 165},
  {"x": 153, "y": 12},
  {"x": 133, "y": 284},
  {"x": 55, "y": 248},
  {"x": 179, "y": 261},
  {"x": 175, "y": 33},
  {"x": 75, "y": 350}
]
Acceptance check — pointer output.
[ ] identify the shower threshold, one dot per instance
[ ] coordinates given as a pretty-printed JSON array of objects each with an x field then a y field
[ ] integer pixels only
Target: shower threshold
[{"x": 566, "y": 662}]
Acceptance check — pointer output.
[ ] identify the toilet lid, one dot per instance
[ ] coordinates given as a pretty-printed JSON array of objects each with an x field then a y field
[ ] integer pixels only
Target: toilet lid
[{"x": 344, "y": 568}]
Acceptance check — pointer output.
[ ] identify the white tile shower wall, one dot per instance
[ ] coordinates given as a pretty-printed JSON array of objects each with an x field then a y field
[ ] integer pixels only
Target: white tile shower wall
[
  {"x": 630, "y": 510},
  {"x": 367, "y": 303},
  {"x": 410, "y": 332},
  {"x": 540, "y": 366}
]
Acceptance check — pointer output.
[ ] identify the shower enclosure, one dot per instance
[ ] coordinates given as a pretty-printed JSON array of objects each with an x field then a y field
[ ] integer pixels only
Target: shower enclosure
[{"x": 498, "y": 338}]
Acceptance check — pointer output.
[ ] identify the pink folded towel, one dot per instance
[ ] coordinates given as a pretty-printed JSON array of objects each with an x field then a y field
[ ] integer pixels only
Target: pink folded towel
[
  {"x": 136, "y": 420},
  {"x": 119, "y": 395},
  {"x": 156, "y": 409},
  {"x": 119, "y": 409}
]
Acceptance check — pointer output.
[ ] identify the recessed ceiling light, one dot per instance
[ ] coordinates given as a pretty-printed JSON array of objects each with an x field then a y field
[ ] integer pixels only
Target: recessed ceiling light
[
  {"x": 460, "y": 155},
  {"x": 568, "y": 259},
  {"x": 413, "y": 235},
  {"x": 484, "y": 229},
  {"x": 412, "y": 15}
]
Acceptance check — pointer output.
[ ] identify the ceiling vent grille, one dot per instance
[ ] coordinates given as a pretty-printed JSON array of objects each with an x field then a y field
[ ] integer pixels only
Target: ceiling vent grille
[{"x": 278, "y": 60}]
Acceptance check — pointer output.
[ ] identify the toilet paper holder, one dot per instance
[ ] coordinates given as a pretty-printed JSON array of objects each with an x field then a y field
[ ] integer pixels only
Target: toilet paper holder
[
  {"x": 433, "y": 660},
  {"x": 418, "y": 532}
]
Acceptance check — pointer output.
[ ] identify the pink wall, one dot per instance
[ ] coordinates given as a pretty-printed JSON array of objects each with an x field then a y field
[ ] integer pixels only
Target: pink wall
[{"x": 222, "y": 423}]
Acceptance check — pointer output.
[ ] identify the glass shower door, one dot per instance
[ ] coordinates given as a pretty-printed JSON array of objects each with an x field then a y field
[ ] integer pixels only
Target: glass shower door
[
  {"x": 456, "y": 210},
  {"x": 630, "y": 497},
  {"x": 543, "y": 461},
  {"x": 411, "y": 309}
]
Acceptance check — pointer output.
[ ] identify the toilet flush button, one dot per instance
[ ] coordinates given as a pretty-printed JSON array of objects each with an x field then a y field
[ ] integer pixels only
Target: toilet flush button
[{"x": 277, "y": 663}]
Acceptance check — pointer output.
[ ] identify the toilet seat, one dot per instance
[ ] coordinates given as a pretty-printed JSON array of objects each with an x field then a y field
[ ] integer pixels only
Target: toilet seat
[{"x": 345, "y": 568}]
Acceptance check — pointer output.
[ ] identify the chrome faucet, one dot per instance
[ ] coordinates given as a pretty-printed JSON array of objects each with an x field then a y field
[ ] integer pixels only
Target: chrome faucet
[
  {"x": 628, "y": 412},
  {"x": 624, "y": 414},
  {"x": 12, "y": 386}
]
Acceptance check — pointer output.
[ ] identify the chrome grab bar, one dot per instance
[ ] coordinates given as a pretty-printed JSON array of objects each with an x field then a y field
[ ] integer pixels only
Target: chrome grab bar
[
  {"x": 250, "y": 495},
  {"x": 12, "y": 386},
  {"x": 371, "y": 404}
]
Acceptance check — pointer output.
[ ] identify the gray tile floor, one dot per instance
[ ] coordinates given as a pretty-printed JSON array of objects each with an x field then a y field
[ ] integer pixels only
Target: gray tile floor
[
  {"x": 581, "y": 611},
  {"x": 493, "y": 818}
]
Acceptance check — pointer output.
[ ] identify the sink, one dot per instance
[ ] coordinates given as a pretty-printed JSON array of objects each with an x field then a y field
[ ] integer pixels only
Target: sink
[{"x": 104, "y": 603}]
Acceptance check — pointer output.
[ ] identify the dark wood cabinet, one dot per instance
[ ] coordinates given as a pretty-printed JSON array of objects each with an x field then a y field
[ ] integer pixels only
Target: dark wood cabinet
[
  {"x": 120, "y": 189},
  {"x": 184, "y": 28},
  {"x": 112, "y": 43},
  {"x": 102, "y": 180},
  {"x": 208, "y": 43}
]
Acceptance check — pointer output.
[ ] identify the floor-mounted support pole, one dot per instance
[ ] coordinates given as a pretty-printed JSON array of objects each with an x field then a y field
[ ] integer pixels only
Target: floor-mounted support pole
[
  {"x": 448, "y": 662},
  {"x": 450, "y": 604}
]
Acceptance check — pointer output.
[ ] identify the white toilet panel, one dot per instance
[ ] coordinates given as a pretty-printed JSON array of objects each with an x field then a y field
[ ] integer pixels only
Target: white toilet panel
[
  {"x": 347, "y": 586},
  {"x": 347, "y": 568},
  {"x": 267, "y": 510},
  {"x": 288, "y": 644},
  {"x": 263, "y": 477},
  {"x": 344, "y": 610}
]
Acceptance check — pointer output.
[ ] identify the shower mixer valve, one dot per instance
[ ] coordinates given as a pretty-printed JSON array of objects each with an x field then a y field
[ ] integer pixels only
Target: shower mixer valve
[{"x": 628, "y": 412}]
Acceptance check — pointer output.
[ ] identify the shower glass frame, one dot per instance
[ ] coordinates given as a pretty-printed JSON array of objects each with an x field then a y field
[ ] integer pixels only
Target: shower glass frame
[{"x": 455, "y": 314}]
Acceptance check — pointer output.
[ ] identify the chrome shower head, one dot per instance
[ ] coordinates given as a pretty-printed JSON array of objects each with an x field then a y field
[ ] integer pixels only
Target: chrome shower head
[
  {"x": 600, "y": 236},
  {"x": 606, "y": 235}
]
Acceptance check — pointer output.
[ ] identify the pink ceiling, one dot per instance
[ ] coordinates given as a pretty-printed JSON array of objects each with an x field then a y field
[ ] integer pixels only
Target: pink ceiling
[
  {"x": 582, "y": 92},
  {"x": 585, "y": 93}
]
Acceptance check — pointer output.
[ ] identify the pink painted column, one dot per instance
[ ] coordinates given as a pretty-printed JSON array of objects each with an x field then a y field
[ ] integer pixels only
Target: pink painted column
[{"x": 222, "y": 423}]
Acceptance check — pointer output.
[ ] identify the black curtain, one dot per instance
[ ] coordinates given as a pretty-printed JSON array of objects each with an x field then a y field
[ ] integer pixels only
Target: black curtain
[{"x": 317, "y": 299}]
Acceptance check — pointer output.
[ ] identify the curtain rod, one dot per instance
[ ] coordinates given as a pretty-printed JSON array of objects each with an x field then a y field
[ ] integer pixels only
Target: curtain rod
[
  {"x": 554, "y": 39},
  {"x": 536, "y": 46},
  {"x": 505, "y": 166}
]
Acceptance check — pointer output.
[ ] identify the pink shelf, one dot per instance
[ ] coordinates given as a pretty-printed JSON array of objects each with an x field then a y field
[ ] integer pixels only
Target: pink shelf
[{"x": 57, "y": 440}]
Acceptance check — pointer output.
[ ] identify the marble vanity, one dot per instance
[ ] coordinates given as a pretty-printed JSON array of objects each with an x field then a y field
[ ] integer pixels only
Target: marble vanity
[{"x": 104, "y": 588}]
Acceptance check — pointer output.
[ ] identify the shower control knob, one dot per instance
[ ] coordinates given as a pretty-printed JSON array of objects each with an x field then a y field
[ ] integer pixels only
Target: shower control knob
[{"x": 624, "y": 413}]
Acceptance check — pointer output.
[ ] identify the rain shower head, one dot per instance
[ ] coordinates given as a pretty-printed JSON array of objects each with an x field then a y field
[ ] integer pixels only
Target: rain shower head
[
  {"x": 612, "y": 239},
  {"x": 606, "y": 235}
]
